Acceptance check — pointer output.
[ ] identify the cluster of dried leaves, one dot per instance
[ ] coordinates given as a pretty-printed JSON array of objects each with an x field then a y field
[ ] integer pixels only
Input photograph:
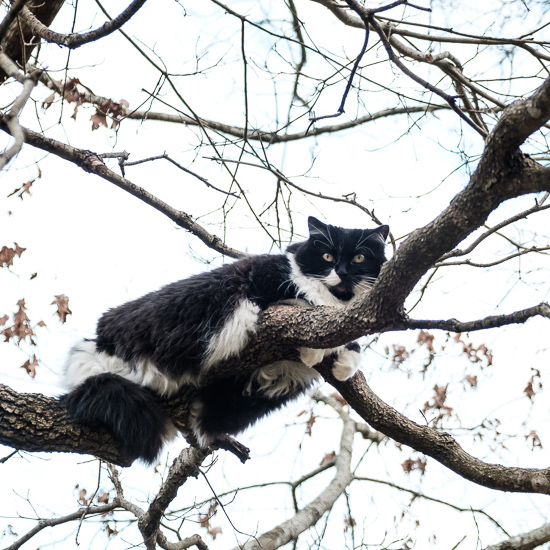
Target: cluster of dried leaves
[
  {"x": 204, "y": 520},
  {"x": 70, "y": 92},
  {"x": 21, "y": 328}
]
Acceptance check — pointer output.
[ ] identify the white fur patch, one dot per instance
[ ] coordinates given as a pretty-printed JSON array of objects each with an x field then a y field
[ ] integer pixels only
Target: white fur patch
[
  {"x": 332, "y": 279},
  {"x": 234, "y": 335},
  {"x": 346, "y": 364},
  {"x": 310, "y": 356},
  {"x": 280, "y": 378},
  {"x": 313, "y": 289},
  {"x": 85, "y": 361}
]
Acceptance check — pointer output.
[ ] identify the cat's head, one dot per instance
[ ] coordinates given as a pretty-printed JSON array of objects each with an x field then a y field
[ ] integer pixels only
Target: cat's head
[{"x": 346, "y": 261}]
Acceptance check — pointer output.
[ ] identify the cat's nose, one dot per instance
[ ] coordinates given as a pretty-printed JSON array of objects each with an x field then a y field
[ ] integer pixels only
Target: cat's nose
[{"x": 341, "y": 270}]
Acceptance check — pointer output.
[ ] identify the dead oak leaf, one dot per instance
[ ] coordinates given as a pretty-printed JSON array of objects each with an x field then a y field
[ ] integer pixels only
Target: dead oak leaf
[
  {"x": 8, "y": 254},
  {"x": 20, "y": 191},
  {"x": 30, "y": 366},
  {"x": 62, "y": 303},
  {"x": 82, "y": 497},
  {"x": 21, "y": 327}
]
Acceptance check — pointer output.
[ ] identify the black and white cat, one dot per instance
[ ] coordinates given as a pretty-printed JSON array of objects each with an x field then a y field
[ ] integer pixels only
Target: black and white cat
[{"x": 171, "y": 337}]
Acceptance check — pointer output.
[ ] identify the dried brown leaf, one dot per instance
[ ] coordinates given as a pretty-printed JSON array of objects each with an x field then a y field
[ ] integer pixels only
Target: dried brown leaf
[
  {"x": 328, "y": 457},
  {"x": 419, "y": 464},
  {"x": 20, "y": 191},
  {"x": 8, "y": 254},
  {"x": 62, "y": 303},
  {"x": 534, "y": 438},
  {"x": 349, "y": 522},
  {"x": 30, "y": 366},
  {"x": 215, "y": 532},
  {"x": 310, "y": 423},
  {"x": 21, "y": 327},
  {"x": 82, "y": 497},
  {"x": 110, "y": 532}
]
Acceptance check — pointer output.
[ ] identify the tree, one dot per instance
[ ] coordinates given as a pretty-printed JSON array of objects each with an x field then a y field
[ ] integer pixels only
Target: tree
[{"x": 278, "y": 109}]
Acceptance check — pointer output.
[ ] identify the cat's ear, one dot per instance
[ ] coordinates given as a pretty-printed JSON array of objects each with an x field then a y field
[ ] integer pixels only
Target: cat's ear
[
  {"x": 316, "y": 226},
  {"x": 382, "y": 232}
]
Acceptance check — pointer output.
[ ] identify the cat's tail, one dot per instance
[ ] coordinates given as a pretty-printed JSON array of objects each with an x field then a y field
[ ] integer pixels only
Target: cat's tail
[{"x": 125, "y": 408}]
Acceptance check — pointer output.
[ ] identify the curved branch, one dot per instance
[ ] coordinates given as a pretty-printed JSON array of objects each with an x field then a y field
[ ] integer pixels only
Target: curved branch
[
  {"x": 538, "y": 207},
  {"x": 75, "y": 516},
  {"x": 493, "y": 321},
  {"x": 439, "y": 445},
  {"x": 525, "y": 541},
  {"x": 76, "y": 40},
  {"x": 186, "y": 465},
  {"x": 91, "y": 162},
  {"x": 309, "y": 515},
  {"x": 496, "y": 262}
]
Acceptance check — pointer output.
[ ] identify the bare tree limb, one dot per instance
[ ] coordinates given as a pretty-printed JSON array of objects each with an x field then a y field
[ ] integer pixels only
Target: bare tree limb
[
  {"x": 76, "y": 40},
  {"x": 12, "y": 117},
  {"x": 418, "y": 494},
  {"x": 525, "y": 541},
  {"x": 52, "y": 522},
  {"x": 538, "y": 207},
  {"x": 91, "y": 162},
  {"x": 432, "y": 442},
  {"x": 309, "y": 515},
  {"x": 186, "y": 465},
  {"x": 493, "y": 321}
]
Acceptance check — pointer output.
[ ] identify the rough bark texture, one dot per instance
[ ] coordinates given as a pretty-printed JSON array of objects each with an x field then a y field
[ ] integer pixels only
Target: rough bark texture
[
  {"x": 34, "y": 422},
  {"x": 19, "y": 40}
]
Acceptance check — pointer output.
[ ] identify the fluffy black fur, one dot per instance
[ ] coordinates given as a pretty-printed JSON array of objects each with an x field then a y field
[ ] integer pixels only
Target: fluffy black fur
[
  {"x": 173, "y": 327},
  {"x": 129, "y": 411}
]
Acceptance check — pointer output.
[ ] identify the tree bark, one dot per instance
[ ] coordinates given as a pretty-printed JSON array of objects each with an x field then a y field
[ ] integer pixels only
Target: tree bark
[{"x": 19, "y": 41}]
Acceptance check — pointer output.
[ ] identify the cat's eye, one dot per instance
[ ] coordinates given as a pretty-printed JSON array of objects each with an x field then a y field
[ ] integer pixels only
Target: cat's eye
[
  {"x": 358, "y": 258},
  {"x": 328, "y": 257}
]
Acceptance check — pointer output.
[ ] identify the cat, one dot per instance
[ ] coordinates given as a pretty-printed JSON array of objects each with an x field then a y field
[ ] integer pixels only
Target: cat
[{"x": 171, "y": 337}]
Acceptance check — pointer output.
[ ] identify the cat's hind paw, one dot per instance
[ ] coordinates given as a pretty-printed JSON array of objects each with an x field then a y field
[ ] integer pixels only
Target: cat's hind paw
[
  {"x": 346, "y": 364},
  {"x": 310, "y": 356}
]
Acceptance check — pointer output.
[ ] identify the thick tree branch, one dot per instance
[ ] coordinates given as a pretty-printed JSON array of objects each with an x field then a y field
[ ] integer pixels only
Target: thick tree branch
[
  {"x": 34, "y": 422},
  {"x": 76, "y": 40},
  {"x": 186, "y": 465},
  {"x": 432, "y": 442}
]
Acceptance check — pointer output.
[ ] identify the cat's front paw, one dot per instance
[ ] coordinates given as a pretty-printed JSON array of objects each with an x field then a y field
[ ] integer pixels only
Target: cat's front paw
[
  {"x": 310, "y": 356},
  {"x": 346, "y": 364}
]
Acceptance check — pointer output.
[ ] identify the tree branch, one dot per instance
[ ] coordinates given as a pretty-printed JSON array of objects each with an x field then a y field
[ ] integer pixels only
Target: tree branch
[
  {"x": 91, "y": 162},
  {"x": 525, "y": 541},
  {"x": 76, "y": 40},
  {"x": 186, "y": 465},
  {"x": 309, "y": 515},
  {"x": 439, "y": 445},
  {"x": 493, "y": 321}
]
